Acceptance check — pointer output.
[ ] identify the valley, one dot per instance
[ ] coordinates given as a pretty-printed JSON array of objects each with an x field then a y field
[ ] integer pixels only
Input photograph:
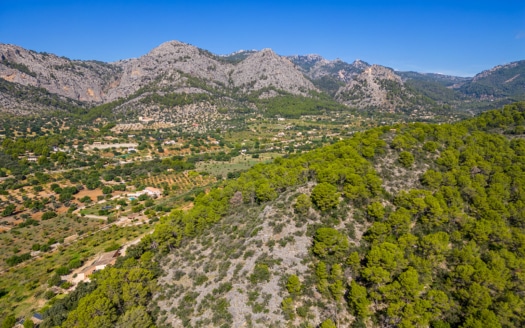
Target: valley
[{"x": 266, "y": 191}]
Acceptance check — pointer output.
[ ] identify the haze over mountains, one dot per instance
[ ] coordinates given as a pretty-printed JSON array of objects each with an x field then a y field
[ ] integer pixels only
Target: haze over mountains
[{"x": 34, "y": 82}]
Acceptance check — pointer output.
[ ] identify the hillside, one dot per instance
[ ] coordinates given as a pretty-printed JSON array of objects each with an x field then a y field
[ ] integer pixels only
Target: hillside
[
  {"x": 86, "y": 81},
  {"x": 503, "y": 81},
  {"x": 402, "y": 226}
]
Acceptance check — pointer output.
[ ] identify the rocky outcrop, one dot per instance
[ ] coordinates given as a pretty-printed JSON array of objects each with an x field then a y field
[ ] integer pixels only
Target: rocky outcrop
[
  {"x": 165, "y": 65},
  {"x": 266, "y": 69},
  {"x": 376, "y": 87}
]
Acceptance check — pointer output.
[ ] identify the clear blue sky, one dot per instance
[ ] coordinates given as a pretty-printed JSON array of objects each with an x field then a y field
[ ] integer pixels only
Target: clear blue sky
[{"x": 450, "y": 37}]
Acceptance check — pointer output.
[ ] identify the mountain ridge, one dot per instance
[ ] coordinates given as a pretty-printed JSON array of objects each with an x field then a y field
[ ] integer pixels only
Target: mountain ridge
[{"x": 181, "y": 68}]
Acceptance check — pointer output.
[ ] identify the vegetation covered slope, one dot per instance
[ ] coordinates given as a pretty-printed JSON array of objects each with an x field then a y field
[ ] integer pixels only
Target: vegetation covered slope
[
  {"x": 504, "y": 81},
  {"x": 445, "y": 252}
]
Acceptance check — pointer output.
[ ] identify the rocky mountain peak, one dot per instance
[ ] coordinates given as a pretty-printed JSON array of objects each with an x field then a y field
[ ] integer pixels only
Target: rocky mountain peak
[
  {"x": 264, "y": 69},
  {"x": 306, "y": 62},
  {"x": 359, "y": 64},
  {"x": 381, "y": 72},
  {"x": 173, "y": 48},
  {"x": 265, "y": 53},
  {"x": 310, "y": 58},
  {"x": 331, "y": 72},
  {"x": 178, "y": 67}
]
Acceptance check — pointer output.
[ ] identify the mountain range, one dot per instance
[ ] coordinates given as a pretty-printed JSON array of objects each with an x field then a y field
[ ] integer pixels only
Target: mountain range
[{"x": 33, "y": 82}]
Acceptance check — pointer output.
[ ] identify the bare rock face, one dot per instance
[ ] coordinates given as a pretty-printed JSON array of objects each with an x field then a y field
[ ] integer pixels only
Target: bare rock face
[
  {"x": 265, "y": 69},
  {"x": 172, "y": 64},
  {"x": 376, "y": 87},
  {"x": 14, "y": 106},
  {"x": 85, "y": 81},
  {"x": 165, "y": 65}
]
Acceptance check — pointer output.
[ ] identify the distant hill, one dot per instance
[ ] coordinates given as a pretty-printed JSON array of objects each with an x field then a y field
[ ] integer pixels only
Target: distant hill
[{"x": 504, "y": 81}]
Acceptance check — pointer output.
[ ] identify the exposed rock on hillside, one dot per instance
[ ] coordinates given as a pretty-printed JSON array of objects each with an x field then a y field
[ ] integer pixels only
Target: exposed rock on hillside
[
  {"x": 164, "y": 65},
  {"x": 21, "y": 99},
  {"x": 265, "y": 69},
  {"x": 86, "y": 81},
  {"x": 173, "y": 67},
  {"x": 223, "y": 272},
  {"x": 376, "y": 87}
]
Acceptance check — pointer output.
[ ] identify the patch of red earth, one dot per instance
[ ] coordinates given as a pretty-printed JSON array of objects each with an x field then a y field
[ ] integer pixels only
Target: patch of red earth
[
  {"x": 91, "y": 193},
  {"x": 62, "y": 209}
]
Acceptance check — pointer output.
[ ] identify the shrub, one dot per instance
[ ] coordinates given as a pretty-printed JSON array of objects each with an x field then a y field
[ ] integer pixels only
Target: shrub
[
  {"x": 49, "y": 294},
  {"x": 62, "y": 271},
  {"x": 261, "y": 272},
  {"x": 406, "y": 159},
  {"x": 48, "y": 215}
]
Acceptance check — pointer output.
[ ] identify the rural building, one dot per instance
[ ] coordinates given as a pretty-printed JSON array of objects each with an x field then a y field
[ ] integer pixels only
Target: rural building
[
  {"x": 103, "y": 260},
  {"x": 153, "y": 192},
  {"x": 150, "y": 191}
]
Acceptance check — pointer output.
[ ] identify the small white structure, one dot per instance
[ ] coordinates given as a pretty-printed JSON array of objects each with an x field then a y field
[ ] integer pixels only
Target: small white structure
[
  {"x": 150, "y": 191},
  {"x": 99, "y": 263},
  {"x": 153, "y": 192},
  {"x": 146, "y": 119}
]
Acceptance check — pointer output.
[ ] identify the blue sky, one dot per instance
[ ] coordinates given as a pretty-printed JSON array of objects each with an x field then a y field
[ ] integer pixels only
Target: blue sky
[{"x": 449, "y": 37}]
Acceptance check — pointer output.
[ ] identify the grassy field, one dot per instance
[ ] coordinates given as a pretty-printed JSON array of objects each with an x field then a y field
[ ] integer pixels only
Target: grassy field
[
  {"x": 20, "y": 240},
  {"x": 239, "y": 163}
]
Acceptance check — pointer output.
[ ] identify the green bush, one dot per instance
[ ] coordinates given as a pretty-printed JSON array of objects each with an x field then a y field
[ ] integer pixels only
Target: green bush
[
  {"x": 48, "y": 215},
  {"x": 406, "y": 159},
  {"x": 261, "y": 273}
]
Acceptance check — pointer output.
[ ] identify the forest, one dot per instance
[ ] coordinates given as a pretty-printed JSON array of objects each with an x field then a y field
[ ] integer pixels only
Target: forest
[{"x": 447, "y": 252}]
